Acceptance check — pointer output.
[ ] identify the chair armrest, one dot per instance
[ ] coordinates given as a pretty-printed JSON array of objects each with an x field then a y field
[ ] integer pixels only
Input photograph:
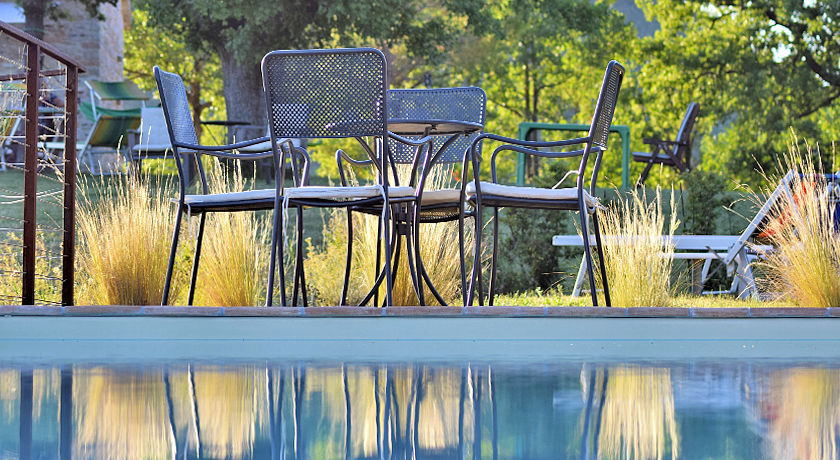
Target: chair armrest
[
  {"x": 340, "y": 157},
  {"x": 655, "y": 141},
  {"x": 218, "y": 150}
]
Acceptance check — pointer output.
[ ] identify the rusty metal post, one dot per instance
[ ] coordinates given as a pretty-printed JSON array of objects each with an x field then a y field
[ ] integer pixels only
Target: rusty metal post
[
  {"x": 30, "y": 173},
  {"x": 69, "y": 244}
]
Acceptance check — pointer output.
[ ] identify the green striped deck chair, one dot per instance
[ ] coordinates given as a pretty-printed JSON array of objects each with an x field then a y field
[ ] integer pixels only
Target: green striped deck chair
[{"x": 108, "y": 133}]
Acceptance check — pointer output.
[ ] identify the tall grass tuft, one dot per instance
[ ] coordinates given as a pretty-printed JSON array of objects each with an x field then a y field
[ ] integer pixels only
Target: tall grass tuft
[
  {"x": 125, "y": 239},
  {"x": 438, "y": 250},
  {"x": 235, "y": 251},
  {"x": 805, "y": 265},
  {"x": 638, "y": 262}
]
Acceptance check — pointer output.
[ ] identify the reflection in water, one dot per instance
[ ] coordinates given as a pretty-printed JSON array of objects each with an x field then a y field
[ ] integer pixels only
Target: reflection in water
[
  {"x": 419, "y": 411},
  {"x": 803, "y": 413},
  {"x": 635, "y": 414}
]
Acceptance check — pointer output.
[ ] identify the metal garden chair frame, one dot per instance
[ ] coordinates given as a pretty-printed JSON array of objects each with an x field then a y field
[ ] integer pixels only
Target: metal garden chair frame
[
  {"x": 332, "y": 94},
  {"x": 481, "y": 194},
  {"x": 185, "y": 147},
  {"x": 676, "y": 153}
]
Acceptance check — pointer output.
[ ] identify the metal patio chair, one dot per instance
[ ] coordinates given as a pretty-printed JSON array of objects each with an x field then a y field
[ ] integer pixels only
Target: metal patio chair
[
  {"x": 185, "y": 148},
  {"x": 318, "y": 94},
  {"x": 481, "y": 194},
  {"x": 675, "y": 153}
]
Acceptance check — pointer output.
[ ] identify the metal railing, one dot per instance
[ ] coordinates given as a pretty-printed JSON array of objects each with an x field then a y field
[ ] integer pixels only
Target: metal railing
[{"x": 38, "y": 100}]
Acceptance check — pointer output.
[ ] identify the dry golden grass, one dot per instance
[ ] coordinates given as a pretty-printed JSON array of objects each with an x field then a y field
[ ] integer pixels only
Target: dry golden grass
[
  {"x": 235, "y": 252},
  {"x": 805, "y": 265},
  {"x": 125, "y": 240},
  {"x": 638, "y": 262}
]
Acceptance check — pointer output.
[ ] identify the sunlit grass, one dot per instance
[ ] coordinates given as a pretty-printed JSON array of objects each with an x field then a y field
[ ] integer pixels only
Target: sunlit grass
[
  {"x": 805, "y": 263},
  {"x": 125, "y": 237},
  {"x": 235, "y": 251},
  {"x": 638, "y": 262}
]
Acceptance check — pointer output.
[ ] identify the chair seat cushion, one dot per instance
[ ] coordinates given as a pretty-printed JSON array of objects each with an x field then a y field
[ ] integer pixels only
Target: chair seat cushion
[
  {"x": 531, "y": 193},
  {"x": 338, "y": 193},
  {"x": 142, "y": 148},
  {"x": 232, "y": 197},
  {"x": 447, "y": 195}
]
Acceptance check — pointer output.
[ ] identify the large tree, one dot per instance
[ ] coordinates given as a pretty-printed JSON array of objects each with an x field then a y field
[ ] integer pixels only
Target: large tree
[
  {"x": 758, "y": 69},
  {"x": 242, "y": 32}
]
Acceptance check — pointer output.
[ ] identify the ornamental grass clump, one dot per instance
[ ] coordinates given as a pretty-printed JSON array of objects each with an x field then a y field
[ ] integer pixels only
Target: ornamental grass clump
[
  {"x": 805, "y": 263},
  {"x": 638, "y": 260},
  {"x": 235, "y": 251},
  {"x": 125, "y": 238}
]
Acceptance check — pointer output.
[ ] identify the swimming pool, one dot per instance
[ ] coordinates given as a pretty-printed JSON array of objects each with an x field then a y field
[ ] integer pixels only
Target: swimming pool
[{"x": 418, "y": 388}]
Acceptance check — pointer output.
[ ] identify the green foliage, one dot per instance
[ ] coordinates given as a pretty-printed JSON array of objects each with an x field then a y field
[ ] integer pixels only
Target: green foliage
[
  {"x": 147, "y": 46},
  {"x": 527, "y": 259},
  {"x": 757, "y": 68},
  {"x": 705, "y": 200}
]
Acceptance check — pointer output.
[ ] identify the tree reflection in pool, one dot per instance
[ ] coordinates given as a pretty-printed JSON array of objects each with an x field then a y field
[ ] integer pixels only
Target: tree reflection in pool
[{"x": 453, "y": 410}]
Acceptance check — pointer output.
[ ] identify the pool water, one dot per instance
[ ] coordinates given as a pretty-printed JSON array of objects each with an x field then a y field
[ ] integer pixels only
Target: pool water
[{"x": 722, "y": 409}]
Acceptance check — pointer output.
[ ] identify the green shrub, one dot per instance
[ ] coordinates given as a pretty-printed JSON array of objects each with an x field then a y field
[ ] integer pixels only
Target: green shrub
[{"x": 704, "y": 201}]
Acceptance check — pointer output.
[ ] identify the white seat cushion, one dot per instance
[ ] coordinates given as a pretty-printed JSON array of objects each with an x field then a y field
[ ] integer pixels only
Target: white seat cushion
[
  {"x": 531, "y": 193},
  {"x": 142, "y": 148},
  {"x": 447, "y": 195},
  {"x": 329, "y": 193},
  {"x": 230, "y": 197}
]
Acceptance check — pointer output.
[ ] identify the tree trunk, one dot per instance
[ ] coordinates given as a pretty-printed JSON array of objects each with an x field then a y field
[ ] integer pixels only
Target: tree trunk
[
  {"x": 34, "y": 11},
  {"x": 244, "y": 97}
]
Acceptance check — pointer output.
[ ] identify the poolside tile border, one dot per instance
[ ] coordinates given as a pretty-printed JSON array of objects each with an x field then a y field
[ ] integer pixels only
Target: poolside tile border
[{"x": 450, "y": 311}]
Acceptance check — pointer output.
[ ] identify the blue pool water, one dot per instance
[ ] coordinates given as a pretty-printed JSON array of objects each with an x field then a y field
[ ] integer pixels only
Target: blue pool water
[{"x": 451, "y": 409}]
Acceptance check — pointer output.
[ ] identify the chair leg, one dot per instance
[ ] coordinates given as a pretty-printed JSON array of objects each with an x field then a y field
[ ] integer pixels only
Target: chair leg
[
  {"x": 377, "y": 280},
  {"x": 418, "y": 262},
  {"x": 194, "y": 276},
  {"x": 461, "y": 254},
  {"x": 344, "y": 288},
  {"x": 476, "y": 268},
  {"x": 272, "y": 263},
  {"x": 389, "y": 279},
  {"x": 601, "y": 259},
  {"x": 167, "y": 284},
  {"x": 494, "y": 259},
  {"x": 380, "y": 278},
  {"x": 302, "y": 273},
  {"x": 587, "y": 251}
]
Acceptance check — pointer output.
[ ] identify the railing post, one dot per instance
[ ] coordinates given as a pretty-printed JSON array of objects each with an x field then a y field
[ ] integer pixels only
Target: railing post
[
  {"x": 30, "y": 173},
  {"x": 69, "y": 244}
]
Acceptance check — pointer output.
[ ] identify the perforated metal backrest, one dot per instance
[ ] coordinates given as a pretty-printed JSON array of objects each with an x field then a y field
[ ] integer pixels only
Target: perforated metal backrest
[
  {"x": 458, "y": 104},
  {"x": 607, "y": 100},
  {"x": 684, "y": 134},
  {"x": 176, "y": 108},
  {"x": 326, "y": 93}
]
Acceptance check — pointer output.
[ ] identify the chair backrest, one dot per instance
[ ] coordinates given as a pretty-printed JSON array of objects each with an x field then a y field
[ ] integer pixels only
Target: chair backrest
[
  {"x": 326, "y": 93},
  {"x": 459, "y": 104},
  {"x": 176, "y": 108},
  {"x": 683, "y": 139},
  {"x": 607, "y": 101}
]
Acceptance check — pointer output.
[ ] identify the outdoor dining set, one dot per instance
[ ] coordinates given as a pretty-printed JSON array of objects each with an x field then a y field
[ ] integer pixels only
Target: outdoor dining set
[{"x": 344, "y": 94}]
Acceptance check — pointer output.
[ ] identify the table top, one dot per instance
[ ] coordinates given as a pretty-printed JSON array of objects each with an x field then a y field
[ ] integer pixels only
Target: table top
[{"x": 418, "y": 127}]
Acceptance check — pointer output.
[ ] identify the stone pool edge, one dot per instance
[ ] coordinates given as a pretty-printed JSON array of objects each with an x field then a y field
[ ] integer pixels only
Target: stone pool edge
[{"x": 421, "y": 312}]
